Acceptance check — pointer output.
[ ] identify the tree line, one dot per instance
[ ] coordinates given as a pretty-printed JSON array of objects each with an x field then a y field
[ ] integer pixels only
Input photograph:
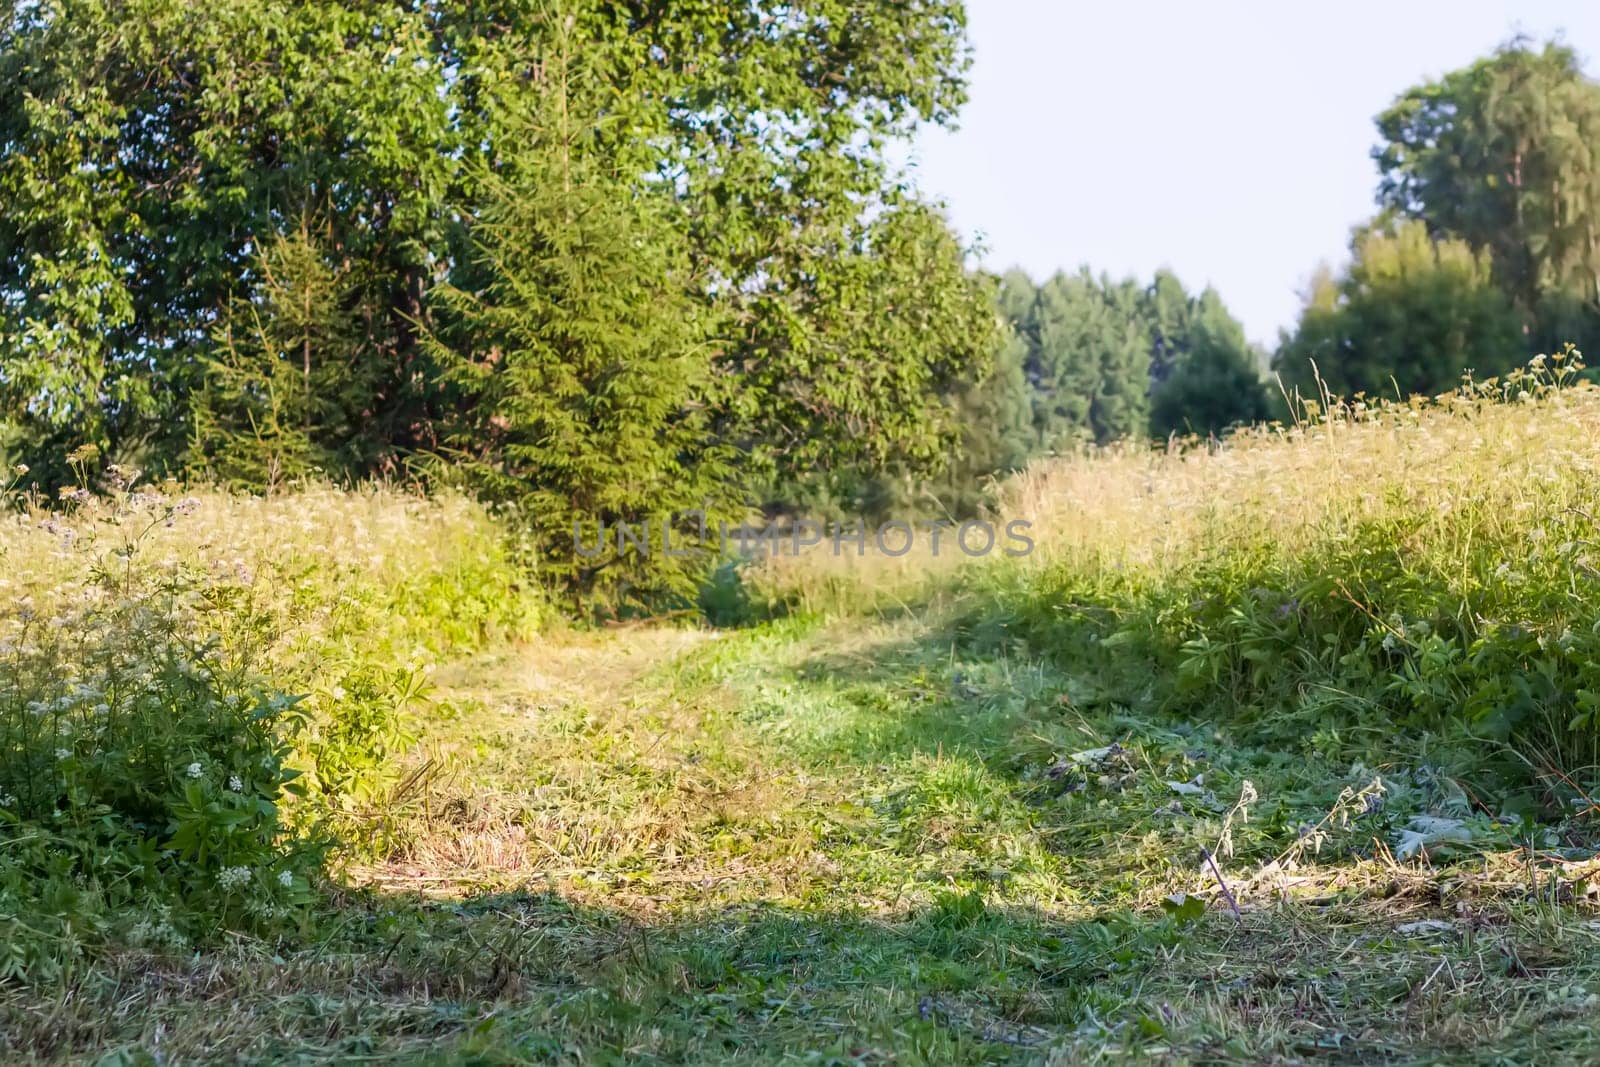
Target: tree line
[
  {"x": 1484, "y": 252},
  {"x": 595, "y": 260},
  {"x": 1082, "y": 360}
]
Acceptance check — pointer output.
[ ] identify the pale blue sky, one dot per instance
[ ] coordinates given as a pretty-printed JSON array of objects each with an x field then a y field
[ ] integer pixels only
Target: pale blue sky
[{"x": 1228, "y": 141}]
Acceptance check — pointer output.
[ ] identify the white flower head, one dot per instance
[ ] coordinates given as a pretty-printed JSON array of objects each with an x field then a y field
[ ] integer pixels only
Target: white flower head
[
  {"x": 195, "y": 770},
  {"x": 285, "y": 879},
  {"x": 63, "y": 753},
  {"x": 235, "y": 784},
  {"x": 233, "y": 877}
]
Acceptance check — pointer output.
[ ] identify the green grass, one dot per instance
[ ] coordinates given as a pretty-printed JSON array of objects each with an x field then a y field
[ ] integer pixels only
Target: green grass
[
  {"x": 864, "y": 840},
  {"x": 1281, "y": 753}
]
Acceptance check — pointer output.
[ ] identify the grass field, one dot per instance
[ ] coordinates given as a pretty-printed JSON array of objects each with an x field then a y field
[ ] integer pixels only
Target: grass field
[
  {"x": 855, "y": 842},
  {"x": 998, "y": 813}
]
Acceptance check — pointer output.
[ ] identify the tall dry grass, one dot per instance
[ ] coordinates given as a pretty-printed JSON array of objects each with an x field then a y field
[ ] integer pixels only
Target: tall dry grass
[{"x": 1427, "y": 570}]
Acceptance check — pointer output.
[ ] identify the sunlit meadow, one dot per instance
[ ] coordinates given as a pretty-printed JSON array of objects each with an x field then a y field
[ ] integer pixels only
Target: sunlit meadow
[{"x": 314, "y": 775}]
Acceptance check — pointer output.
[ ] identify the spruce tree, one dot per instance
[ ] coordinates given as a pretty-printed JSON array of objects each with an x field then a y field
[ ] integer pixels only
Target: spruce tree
[
  {"x": 292, "y": 372},
  {"x": 583, "y": 358},
  {"x": 1167, "y": 313},
  {"x": 1213, "y": 379},
  {"x": 1091, "y": 361}
]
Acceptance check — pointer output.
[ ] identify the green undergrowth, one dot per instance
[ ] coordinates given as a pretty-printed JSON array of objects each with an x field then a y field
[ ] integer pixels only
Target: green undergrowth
[
  {"x": 1415, "y": 581},
  {"x": 204, "y": 700}
]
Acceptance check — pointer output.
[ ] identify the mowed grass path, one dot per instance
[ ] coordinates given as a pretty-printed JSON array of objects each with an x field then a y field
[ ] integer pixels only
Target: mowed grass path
[{"x": 871, "y": 841}]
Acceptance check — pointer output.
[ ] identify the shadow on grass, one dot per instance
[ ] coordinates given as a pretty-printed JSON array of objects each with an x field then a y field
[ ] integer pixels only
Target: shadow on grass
[
  {"x": 934, "y": 691},
  {"x": 957, "y": 981},
  {"x": 531, "y": 977}
]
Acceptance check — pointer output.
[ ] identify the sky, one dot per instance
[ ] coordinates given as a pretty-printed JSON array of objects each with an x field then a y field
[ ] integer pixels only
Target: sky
[{"x": 1228, "y": 141}]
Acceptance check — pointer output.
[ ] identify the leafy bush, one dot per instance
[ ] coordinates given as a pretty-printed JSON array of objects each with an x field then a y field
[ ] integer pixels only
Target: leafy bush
[
  {"x": 197, "y": 692},
  {"x": 141, "y": 773}
]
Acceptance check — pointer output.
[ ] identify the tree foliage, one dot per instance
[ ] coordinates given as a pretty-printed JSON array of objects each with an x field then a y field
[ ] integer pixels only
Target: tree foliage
[
  {"x": 1090, "y": 364},
  {"x": 151, "y": 153},
  {"x": 1111, "y": 360},
  {"x": 1504, "y": 155},
  {"x": 1411, "y": 315},
  {"x": 581, "y": 360},
  {"x": 285, "y": 383},
  {"x": 248, "y": 236},
  {"x": 1213, "y": 376}
]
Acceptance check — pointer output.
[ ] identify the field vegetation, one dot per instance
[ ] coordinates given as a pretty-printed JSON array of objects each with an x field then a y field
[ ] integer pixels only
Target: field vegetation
[
  {"x": 1270, "y": 752},
  {"x": 330, "y": 333}
]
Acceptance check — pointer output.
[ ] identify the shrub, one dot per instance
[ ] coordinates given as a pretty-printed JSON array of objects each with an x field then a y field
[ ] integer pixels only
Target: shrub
[
  {"x": 141, "y": 773},
  {"x": 197, "y": 692}
]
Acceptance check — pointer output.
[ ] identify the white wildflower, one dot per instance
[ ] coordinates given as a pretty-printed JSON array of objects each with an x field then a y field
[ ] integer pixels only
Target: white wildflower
[
  {"x": 233, "y": 877},
  {"x": 285, "y": 879},
  {"x": 235, "y": 784},
  {"x": 195, "y": 770}
]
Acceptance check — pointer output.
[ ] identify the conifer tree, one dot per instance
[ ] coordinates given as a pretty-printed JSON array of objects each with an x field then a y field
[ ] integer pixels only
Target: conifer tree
[
  {"x": 1091, "y": 361},
  {"x": 1213, "y": 379},
  {"x": 1167, "y": 311},
  {"x": 583, "y": 358},
  {"x": 293, "y": 371}
]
